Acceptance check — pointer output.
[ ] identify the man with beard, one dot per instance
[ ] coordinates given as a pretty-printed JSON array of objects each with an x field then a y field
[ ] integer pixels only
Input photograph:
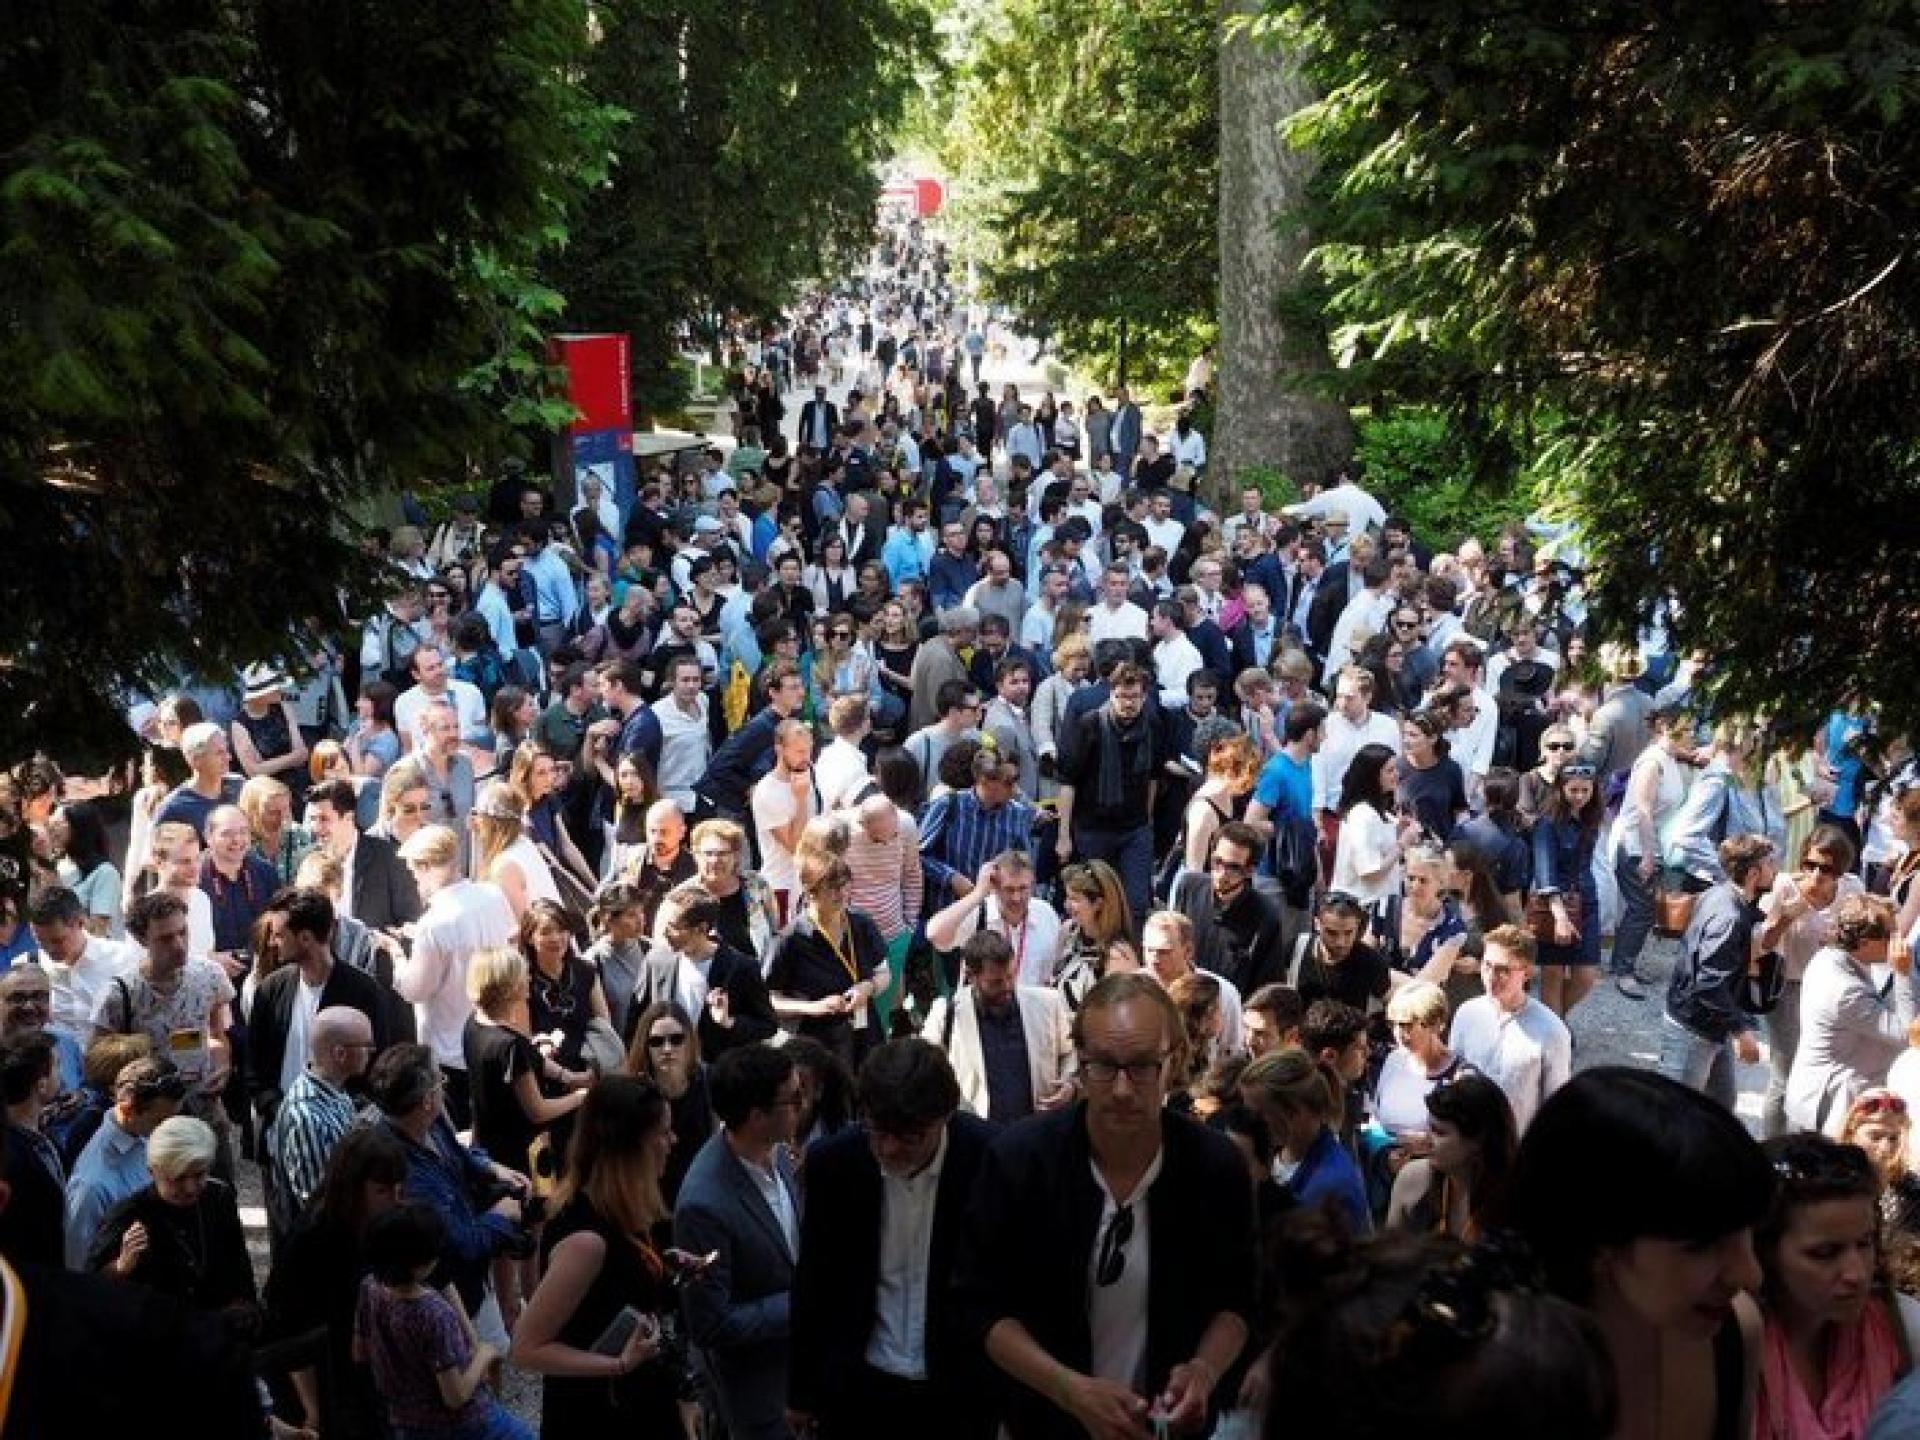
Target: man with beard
[
  {"x": 1239, "y": 933},
  {"x": 1107, "y": 766},
  {"x": 316, "y": 1110}
]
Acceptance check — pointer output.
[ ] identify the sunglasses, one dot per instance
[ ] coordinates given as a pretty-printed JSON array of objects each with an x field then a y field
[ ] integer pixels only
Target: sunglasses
[
  {"x": 1578, "y": 772},
  {"x": 1822, "y": 867},
  {"x": 1557, "y": 745},
  {"x": 665, "y": 1042},
  {"x": 1880, "y": 1104}
]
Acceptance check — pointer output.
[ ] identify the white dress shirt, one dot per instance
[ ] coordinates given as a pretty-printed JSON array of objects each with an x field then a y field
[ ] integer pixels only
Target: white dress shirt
[
  {"x": 1128, "y": 622},
  {"x": 898, "y": 1345},
  {"x": 1527, "y": 1053}
]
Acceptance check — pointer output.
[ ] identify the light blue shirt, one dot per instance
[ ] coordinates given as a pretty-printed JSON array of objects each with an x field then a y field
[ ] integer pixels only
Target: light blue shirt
[
  {"x": 556, "y": 598},
  {"x": 111, "y": 1168},
  {"x": 494, "y": 608},
  {"x": 907, "y": 556}
]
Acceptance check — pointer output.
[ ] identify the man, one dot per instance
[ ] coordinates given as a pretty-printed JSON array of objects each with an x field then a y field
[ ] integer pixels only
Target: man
[
  {"x": 952, "y": 572},
  {"x": 1007, "y": 724},
  {"x": 316, "y": 1111},
  {"x": 888, "y": 884},
  {"x": 1116, "y": 617},
  {"x": 1252, "y": 517},
  {"x": 964, "y": 829},
  {"x": 997, "y": 593},
  {"x": 389, "y": 640},
  {"x": 33, "y": 1219},
  {"x": 237, "y": 883},
  {"x": 1255, "y": 634},
  {"x": 879, "y": 1350},
  {"x": 434, "y": 684},
  {"x": 1108, "y": 764},
  {"x": 1024, "y": 439},
  {"x": 1623, "y": 724},
  {"x": 909, "y": 549},
  {"x": 114, "y": 1164},
  {"x": 1365, "y": 614},
  {"x": 1353, "y": 723},
  {"x": 819, "y": 421},
  {"x": 1036, "y": 629},
  {"x": 1271, "y": 1019},
  {"x": 1705, "y": 1029},
  {"x": 182, "y": 1005},
  {"x": 738, "y": 1200},
  {"x": 665, "y": 862},
  {"x": 748, "y": 753},
  {"x": 204, "y": 747},
  {"x": 562, "y": 727},
  {"x": 376, "y": 888},
  {"x": 1507, "y": 1035},
  {"x": 1343, "y": 497},
  {"x": 856, "y": 532},
  {"x": 1123, "y": 435},
  {"x": 1239, "y": 932},
  {"x": 1281, "y": 810},
  {"x": 784, "y": 800},
  {"x": 717, "y": 985},
  {"x": 1010, "y": 1043},
  {"x": 1001, "y": 902},
  {"x": 945, "y": 657},
  {"x": 1166, "y": 945},
  {"x": 1161, "y": 526},
  {"x": 499, "y": 602},
  {"x": 447, "y": 770},
  {"x": 684, "y": 716},
  {"x": 1334, "y": 963},
  {"x": 285, "y": 1004},
  {"x": 841, "y": 770},
  {"x": 1175, "y": 660},
  {"x": 556, "y": 601},
  {"x": 983, "y": 411},
  {"x": 460, "y": 918},
  {"x": 78, "y": 964},
  {"x": 1471, "y": 745},
  {"x": 1090, "y": 1279}
]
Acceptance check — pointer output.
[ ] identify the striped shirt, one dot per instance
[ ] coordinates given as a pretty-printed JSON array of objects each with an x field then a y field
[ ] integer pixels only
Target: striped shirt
[
  {"x": 887, "y": 883},
  {"x": 312, "y": 1120},
  {"x": 960, "y": 835}
]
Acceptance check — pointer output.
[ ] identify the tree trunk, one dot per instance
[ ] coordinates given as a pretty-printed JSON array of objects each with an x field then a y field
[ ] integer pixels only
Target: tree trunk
[{"x": 1268, "y": 415}]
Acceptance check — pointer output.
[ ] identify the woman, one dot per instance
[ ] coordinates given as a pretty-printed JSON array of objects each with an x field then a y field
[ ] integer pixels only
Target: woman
[
  {"x": 1557, "y": 746},
  {"x": 163, "y": 769},
  {"x": 1903, "y": 817},
  {"x": 1232, "y": 767},
  {"x": 1301, "y": 1099},
  {"x": 1879, "y": 1123},
  {"x": 1459, "y": 1185},
  {"x": 405, "y": 802},
  {"x": 1423, "y": 933},
  {"x": 1850, "y": 1033},
  {"x": 1656, "y": 788},
  {"x": 181, "y": 1234},
  {"x": 1808, "y": 897},
  {"x": 565, "y": 998},
  {"x": 511, "y": 718},
  {"x": 1431, "y": 787},
  {"x": 314, "y": 1282},
  {"x": 1367, "y": 860},
  {"x": 1836, "y": 1338},
  {"x": 1072, "y": 663},
  {"x": 1097, "y": 916},
  {"x": 266, "y": 733},
  {"x": 1499, "y": 835},
  {"x": 828, "y": 964},
  {"x": 79, "y": 838},
  {"x": 1727, "y": 798},
  {"x": 1419, "y": 1061},
  {"x": 748, "y": 920},
  {"x": 1196, "y": 996},
  {"x": 894, "y": 646},
  {"x": 1385, "y": 659},
  {"x": 1564, "y": 840},
  {"x": 831, "y": 579},
  {"x": 827, "y": 1102},
  {"x": 1639, "y": 1196},
  {"x": 844, "y": 666},
  {"x": 505, "y": 854},
  {"x": 601, "y": 1258},
  {"x": 617, "y": 955},
  {"x": 625, "y": 840},
  {"x": 535, "y": 777},
  {"x": 373, "y": 743},
  {"x": 666, "y": 1050},
  {"x": 268, "y": 806}
]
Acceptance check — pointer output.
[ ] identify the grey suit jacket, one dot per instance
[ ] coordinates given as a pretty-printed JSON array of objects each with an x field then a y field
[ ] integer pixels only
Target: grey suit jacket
[
  {"x": 736, "y": 1310},
  {"x": 1849, "y": 1037}
]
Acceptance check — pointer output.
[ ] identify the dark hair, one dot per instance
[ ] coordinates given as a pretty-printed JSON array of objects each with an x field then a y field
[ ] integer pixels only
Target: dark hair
[
  {"x": 1617, "y": 1155},
  {"x": 1330, "y": 1025},
  {"x": 833, "y": 1102},
  {"x": 951, "y": 695},
  {"x": 25, "y": 1059},
  {"x": 1281, "y": 1002},
  {"x": 640, "y": 1055},
  {"x": 1305, "y": 718},
  {"x": 402, "y": 1078},
  {"x": 1414, "y": 1334},
  {"x": 748, "y": 1078},
  {"x": 1500, "y": 795},
  {"x": 402, "y": 1240},
  {"x": 907, "y": 1085},
  {"x": 897, "y": 774},
  {"x": 56, "y": 906},
  {"x": 335, "y": 794},
  {"x": 86, "y": 836},
  {"x": 170, "y": 767},
  {"x": 1811, "y": 1170},
  {"x": 1362, "y": 782},
  {"x": 149, "y": 909},
  {"x": 366, "y": 1153},
  {"x": 1479, "y": 1110},
  {"x": 308, "y": 911},
  {"x": 955, "y": 768},
  {"x": 1832, "y": 841},
  {"x": 984, "y": 948}
]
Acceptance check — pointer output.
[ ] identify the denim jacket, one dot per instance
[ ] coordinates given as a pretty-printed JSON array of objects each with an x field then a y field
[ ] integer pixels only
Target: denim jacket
[{"x": 1717, "y": 806}]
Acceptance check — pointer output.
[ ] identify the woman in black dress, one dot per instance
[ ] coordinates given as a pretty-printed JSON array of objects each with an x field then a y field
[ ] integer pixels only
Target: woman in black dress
[
  {"x": 666, "y": 1050},
  {"x": 564, "y": 996},
  {"x": 828, "y": 964},
  {"x": 601, "y": 1255}
]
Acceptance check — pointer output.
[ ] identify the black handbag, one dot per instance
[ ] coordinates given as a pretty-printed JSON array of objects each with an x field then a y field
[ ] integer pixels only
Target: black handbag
[{"x": 1760, "y": 987}]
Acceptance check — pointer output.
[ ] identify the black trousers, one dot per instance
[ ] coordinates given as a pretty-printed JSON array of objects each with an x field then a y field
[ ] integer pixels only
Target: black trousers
[{"x": 879, "y": 1406}]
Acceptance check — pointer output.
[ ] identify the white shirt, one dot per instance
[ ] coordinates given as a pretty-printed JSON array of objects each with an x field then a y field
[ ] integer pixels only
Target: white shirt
[
  {"x": 1117, "y": 1313},
  {"x": 410, "y": 710},
  {"x": 466, "y": 916},
  {"x": 1528, "y": 1054},
  {"x": 686, "y": 745},
  {"x": 1365, "y": 512},
  {"x": 306, "y": 1004},
  {"x": 1190, "y": 449},
  {"x": 1365, "y": 612},
  {"x": 766, "y": 1180},
  {"x": 1034, "y": 943},
  {"x": 898, "y": 1345},
  {"x": 1342, "y": 742},
  {"x": 1472, "y": 747},
  {"x": 773, "y": 804},
  {"x": 1105, "y": 622},
  {"x": 1367, "y": 838},
  {"x": 1167, "y": 533},
  {"x": 839, "y": 772},
  {"x": 691, "y": 984},
  {"x": 77, "y": 988},
  {"x": 1174, "y": 659}
]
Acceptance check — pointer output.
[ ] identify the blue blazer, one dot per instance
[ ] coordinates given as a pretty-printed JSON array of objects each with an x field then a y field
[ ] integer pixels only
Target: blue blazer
[{"x": 737, "y": 1309}]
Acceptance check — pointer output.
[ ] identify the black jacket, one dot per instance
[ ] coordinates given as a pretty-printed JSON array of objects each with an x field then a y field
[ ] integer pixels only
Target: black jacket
[
  {"x": 1029, "y": 1245},
  {"x": 1328, "y": 601},
  {"x": 747, "y": 998},
  {"x": 835, "y": 1287},
  {"x": 383, "y": 890},
  {"x": 272, "y": 1015}
]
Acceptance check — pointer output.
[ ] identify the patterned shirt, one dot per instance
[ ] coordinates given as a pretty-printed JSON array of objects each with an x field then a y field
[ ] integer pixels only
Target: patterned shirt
[
  {"x": 312, "y": 1120},
  {"x": 960, "y": 835}
]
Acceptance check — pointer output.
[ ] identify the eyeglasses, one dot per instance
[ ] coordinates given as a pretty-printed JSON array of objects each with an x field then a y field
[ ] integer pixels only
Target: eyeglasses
[
  {"x": 1113, "y": 1247},
  {"x": 1139, "y": 1073},
  {"x": 423, "y": 808},
  {"x": 843, "y": 634},
  {"x": 1822, "y": 867},
  {"x": 1556, "y": 745},
  {"x": 666, "y": 1042}
]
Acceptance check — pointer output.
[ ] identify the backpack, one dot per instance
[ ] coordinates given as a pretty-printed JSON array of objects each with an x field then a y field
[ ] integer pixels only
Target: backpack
[
  {"x": 398, "y": 641},
  {"x": 1294, "y": 858}
]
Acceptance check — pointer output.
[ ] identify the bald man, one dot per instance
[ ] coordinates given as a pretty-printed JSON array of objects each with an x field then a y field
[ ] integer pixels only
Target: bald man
[
  {"x": 664, "y": 863},
  {"x": 316, "y": 1112},
  {"x": 883, "y": 852}
]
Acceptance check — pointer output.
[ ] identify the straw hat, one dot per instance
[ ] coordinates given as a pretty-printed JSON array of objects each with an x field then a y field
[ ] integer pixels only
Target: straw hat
[{"x": 263, "y": 682}]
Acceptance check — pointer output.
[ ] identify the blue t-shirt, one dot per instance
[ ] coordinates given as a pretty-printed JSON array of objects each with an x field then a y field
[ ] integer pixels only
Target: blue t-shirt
[
  {"x": 1285, "y": 787},
  {"x": 1329, "y": 1175},
  {"x": 1847, "y": 765}
]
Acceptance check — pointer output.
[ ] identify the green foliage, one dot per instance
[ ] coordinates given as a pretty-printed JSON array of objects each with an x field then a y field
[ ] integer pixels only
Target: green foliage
[
  {"x": 748, "y": 163},
  {"x": 1419, "y": 465},
  {"x": 1687, "y": 236},
  {"x": 251, "y": 261},
  {"x": 1086, "y": 155}
]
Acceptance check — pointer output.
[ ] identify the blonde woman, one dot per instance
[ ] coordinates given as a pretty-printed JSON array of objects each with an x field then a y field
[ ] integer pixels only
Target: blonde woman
[
  {"x": 505, "y": 854},
  {"x": 1072, "y": 663},
  {"x": 536, "y": 779},
  {"x": 1097, "y": 915},
  {"x": 406, "y": 802},
  {"x": 268, "y": 806},
  {"x": 1232, "y": 767}
]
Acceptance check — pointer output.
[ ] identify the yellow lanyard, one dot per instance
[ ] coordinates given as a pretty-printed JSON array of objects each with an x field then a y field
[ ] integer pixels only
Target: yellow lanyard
[{"x": 846, "y": 964}]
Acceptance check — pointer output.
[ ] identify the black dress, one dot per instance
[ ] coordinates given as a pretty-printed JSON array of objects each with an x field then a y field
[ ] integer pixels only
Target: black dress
[
  {"x": 640, "y": 1404},
  {"x": 312, "y": 1292},
  {"x": 496, "y": 1057},
  {"x": 692, "y": 1112},
  {"x": 197, "y": 1253}
]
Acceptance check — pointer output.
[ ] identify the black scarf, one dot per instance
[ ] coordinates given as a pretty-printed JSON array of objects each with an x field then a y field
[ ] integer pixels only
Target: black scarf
[{"x": 1110, "y": 791}]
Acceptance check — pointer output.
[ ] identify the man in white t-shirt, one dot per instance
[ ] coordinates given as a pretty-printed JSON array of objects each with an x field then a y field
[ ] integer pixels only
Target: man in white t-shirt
[
  {"x": 1507, "y": 1035},
  {"x": 686, "y": 736},
  {"x": 1174, "y": 655},
  {"x": 1002, "y": 902},
  {"x": 784, "y": 800},
  {"x": 1116, "y": 617},
  {"x": 434, "y": 683},
  {"x": 1161, "y": 526},
  {"x": 841, "y": 770},
  {"x": 1351, "y": 723}
]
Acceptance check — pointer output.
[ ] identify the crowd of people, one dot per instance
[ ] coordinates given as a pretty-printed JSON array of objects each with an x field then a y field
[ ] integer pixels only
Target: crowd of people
[{"x": 931, "y": 924}]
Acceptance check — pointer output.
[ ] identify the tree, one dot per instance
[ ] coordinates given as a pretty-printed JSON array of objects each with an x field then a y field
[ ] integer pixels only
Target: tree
[
  {"x": 260, "y": 262},
  {"x": 749, "y": 164},
  {"x": 1683, "y": 237}
]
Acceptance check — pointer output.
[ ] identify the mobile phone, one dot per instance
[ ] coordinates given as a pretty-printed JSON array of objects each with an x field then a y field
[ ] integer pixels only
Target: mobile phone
[{"x": 619, "y": 1332}]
